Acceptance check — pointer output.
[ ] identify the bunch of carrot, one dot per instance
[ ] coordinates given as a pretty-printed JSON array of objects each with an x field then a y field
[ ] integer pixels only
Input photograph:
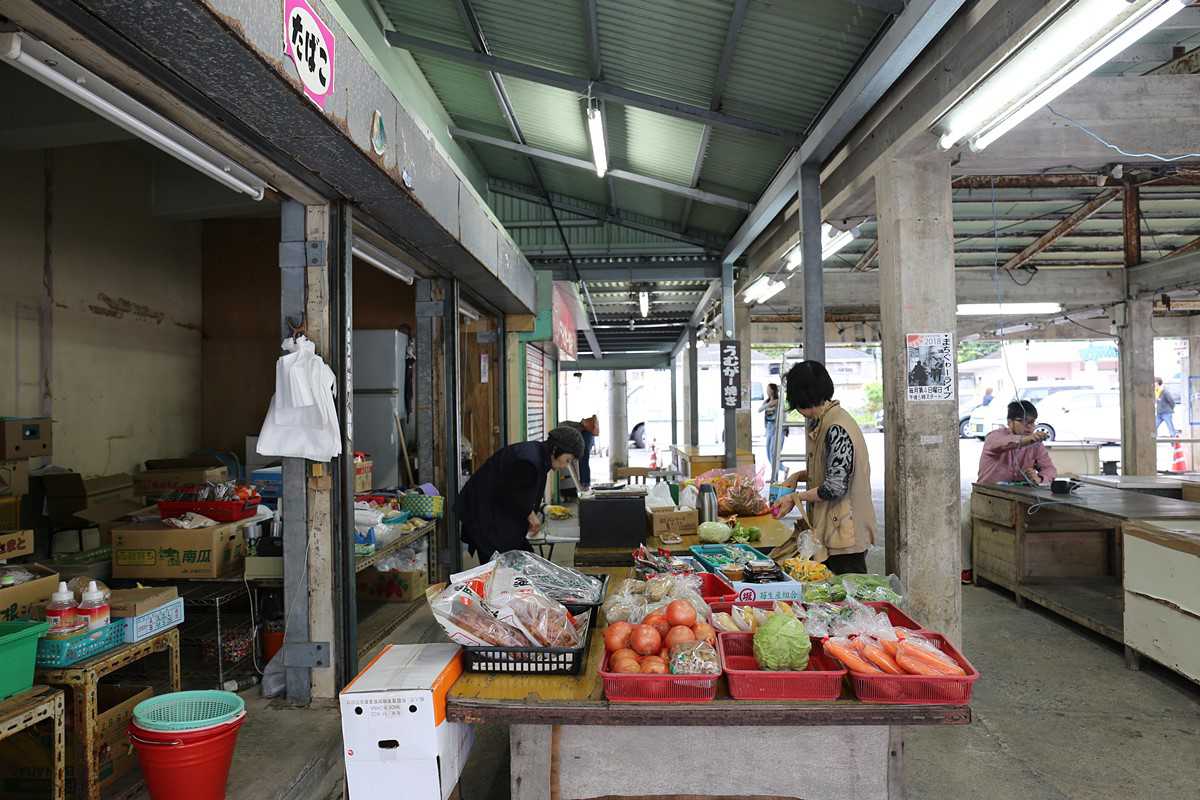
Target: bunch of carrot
[{"x": 908, "y": 654}]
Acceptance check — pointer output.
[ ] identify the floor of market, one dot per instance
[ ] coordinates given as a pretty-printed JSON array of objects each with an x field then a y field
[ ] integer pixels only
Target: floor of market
[{"x": 1056, "y": 715}]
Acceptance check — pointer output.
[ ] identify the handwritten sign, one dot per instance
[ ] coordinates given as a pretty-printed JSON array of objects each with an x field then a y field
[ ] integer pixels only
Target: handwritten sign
[
  {"x": 731, "y": 373},
  {"x": 310, "y": 44}
]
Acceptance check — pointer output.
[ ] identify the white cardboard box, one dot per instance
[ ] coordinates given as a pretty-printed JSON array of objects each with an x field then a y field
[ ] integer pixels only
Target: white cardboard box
[{"x": 394, "y": 727}]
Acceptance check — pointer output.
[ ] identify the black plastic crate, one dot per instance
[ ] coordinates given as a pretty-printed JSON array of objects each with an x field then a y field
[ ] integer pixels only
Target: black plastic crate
[
  {"x": 579, "y": 608},
  {"x": 529, "y": 660}
]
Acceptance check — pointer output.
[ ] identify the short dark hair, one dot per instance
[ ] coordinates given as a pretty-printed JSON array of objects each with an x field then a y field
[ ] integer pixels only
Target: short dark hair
[
  {"x": 565, "y": 439},
  {"x": 808, "y": 385},
  {"x": 1022, "y": 409}
]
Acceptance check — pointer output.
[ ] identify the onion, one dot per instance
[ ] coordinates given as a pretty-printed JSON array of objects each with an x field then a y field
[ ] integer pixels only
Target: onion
[
  {"x": 645, "y": 640},
  {"x": 616, "y": 636},
  {"x": 681, "y": 612}
]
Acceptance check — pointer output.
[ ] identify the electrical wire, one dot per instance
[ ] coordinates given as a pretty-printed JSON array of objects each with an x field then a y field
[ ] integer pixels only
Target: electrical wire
[
  {"x": 1101, "y": 334},
  {"x": 1076, "y": 124}
]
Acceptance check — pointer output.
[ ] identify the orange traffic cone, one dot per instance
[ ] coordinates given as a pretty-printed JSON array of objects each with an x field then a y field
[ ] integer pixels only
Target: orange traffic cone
[
  {"x": 1180, "y": 463},
  {"x": 653, "y": 454}
]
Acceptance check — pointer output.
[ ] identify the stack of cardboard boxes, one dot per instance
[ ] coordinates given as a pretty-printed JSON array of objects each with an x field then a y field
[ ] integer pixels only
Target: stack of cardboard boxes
[{"x": 20, "y": 440}]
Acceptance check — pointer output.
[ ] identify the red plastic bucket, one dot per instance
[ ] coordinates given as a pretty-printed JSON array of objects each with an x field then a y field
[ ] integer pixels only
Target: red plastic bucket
[{"x": 186, "y": 765}]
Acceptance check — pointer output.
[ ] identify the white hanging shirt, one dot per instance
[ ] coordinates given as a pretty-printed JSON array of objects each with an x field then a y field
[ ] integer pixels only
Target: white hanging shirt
[{"x": 302, "y": 420}]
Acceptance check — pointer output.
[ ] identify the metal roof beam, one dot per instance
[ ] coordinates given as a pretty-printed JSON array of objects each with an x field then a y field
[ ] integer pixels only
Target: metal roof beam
[
  {"x": 599, "y": 89},
  {"x": 1064, "y": 226},
  {"x": 892, "y": 7},
  {"x": 654, "y": 361},
  {"x": 612, "y": 216},
  {"x": 699, "y": 195},
  {"x": 1165, "y": 275},
  {"x": 1076, "y": 180},
  {"x": 909, "y": 34},
  {"x": 591, "y": 31},
  {"x": 639, "y": 271}
]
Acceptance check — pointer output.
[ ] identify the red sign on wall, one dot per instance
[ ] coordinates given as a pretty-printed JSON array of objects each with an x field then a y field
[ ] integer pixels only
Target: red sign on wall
[{"x": 564, "y": 322}]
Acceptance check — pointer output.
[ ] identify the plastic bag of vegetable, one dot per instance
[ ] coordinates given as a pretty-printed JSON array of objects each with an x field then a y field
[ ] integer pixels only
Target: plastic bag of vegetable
[
  {"x": 714, "y": 532},
  {"x": 468, "y": 620},
  {"x": 871, "y": 588},
  {"x": 781, "y": 643},
  {"x": 556, "y": 582},
  {"x": 694, "y": 658}
]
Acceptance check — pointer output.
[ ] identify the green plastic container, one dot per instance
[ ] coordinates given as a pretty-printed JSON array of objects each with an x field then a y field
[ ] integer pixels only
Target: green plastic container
[
  {"x": 18, "y": 650},
  {"x": 185, "y": 711}
]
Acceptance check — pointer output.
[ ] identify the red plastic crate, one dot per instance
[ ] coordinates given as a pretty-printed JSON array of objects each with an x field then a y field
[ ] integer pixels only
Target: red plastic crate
[
  {"x": 715, "y": 589},
  {"x": 220, "y": 510},
  {"x": 620, "y": 687},
  {"x": 895, "y": 616},
  {"x": 822, "y": 680},
  {"x": 919, "y": 689}
]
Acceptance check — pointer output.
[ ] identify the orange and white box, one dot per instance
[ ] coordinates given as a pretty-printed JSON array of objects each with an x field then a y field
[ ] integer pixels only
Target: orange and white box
[{"x": 396, "y": 739}]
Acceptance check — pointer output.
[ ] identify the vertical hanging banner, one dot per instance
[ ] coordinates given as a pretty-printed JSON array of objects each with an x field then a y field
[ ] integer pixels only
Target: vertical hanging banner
[
  {"x": 563, "y": 321},
  {"x": 929, "y": 359},
  {"x": 731, "y": 373},
  {"x": 309, "y": 43}
]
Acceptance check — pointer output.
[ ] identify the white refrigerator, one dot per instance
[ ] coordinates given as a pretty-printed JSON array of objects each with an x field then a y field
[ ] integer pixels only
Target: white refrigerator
[{"x": 379, "y": 359}]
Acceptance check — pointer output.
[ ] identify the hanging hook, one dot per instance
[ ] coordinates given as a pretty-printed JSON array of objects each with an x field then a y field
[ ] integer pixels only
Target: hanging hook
[{"x": 298, "y": 329}]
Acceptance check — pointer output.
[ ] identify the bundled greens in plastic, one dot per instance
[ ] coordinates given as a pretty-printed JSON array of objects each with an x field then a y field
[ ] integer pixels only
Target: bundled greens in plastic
[
  {"x": 781, "y": 643},
  {"x": 871, "y": 588},
  {"x": 824, "y": 592},
  {"x": 556, "y": 582}
]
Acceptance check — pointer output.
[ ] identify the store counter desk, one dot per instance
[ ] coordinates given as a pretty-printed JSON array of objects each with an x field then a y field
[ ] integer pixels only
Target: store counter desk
[
  {"x": 1162, "y": 594},
  {"x": 1161, "y": 485},
  {"x": 1063, "y": 552},
  {"x": 568, "y": 742}
]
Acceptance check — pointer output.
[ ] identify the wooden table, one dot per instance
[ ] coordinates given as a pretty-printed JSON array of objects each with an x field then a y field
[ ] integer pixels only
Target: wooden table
[
  {"x": 26, "y": 709},
  {"x": 693, "y": 462},
  {"x": 568, "y": 742},
  {"x": 81, "y": 681},
  {"x": 1160, "y": 485},
  {"x": 1062, "y": 552},
  {"x": 1162, "y": 594},
  {"x": 773, "y": 532}
]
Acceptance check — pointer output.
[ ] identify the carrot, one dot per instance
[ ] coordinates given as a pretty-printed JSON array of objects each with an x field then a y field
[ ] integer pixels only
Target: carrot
[
  {"x": 875, "y": 652},
  {"x": 925, "y": 659},
  {"x": 843, "y": 651},
  {"x": 889, "y": 646}
]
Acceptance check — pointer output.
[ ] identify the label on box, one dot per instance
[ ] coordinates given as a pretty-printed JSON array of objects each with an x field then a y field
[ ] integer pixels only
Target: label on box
[
  {"x": 779, "y": 590},
  {"x": 16, "y": 543},
  {"x": 156, "y": 621}
]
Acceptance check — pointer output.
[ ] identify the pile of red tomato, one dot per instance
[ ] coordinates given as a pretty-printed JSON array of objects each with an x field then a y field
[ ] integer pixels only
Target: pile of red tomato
[{"x": 646, "y": 647}]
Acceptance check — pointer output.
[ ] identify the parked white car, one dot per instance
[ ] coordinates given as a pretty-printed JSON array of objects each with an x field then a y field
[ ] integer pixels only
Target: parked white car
[
  {"x": 1093, "y": 414},
  {"x": 985, "y": 419}
]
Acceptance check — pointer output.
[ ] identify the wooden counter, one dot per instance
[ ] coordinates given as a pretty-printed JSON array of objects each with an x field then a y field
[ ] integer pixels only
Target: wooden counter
[
  {"x": 1162, "y": 594},
  {"x": 693, "y": 462},
  {"x": 773, "y": 532},
  {"x": 1161, "y": 485},
  {"x": 1063, "y": 552}
]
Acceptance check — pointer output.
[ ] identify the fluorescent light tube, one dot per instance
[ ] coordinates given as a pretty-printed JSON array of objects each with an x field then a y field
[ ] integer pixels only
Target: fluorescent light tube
[
  {"x": 382, "y": 261},
  {"x": 1079, "y": 40},
  {"x": 762, "y": 289},
  {"x": 50, "y": 67},
  {"x": 595, "y": 124},
  {"x": 1006, "y": 309},
  {"x": 644, "y": 303},
  {"x": 832, "y": 241}
]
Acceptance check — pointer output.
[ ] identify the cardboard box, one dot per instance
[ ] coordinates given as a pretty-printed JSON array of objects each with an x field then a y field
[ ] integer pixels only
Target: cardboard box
[
  {"x": 673, "y": 521},
  {"x": 14, "y": 477},
  {"x": 25, "y": 759},
  {"x": 264, "y": 567},
  {"x": 155, "y": 482},
  {"x": 154, "y": 621},
  {"x": 393, "y": 587},
  {"x": 153, "y": 550},
  {"x": 15, "y": 543},
  {"x": 75, "y": 501},
  {"x": 394, "y": 724},
  {"x": 24, "y": 437},
  {"x": 136, "y": 602},
  {"x": 16, "y": 602},
  {"x": 364, "y": 475}
]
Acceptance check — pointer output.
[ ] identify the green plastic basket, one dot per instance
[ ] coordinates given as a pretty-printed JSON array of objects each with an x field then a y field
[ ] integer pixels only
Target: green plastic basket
[
  {"x": 18, "y": 649},
  {"x": 187, "y": 711}
]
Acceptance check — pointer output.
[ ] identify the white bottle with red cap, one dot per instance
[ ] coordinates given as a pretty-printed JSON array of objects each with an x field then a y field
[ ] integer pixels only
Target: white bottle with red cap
[
  {"x": 94, "y": 608},
  {"x": 61, "y": 611}
]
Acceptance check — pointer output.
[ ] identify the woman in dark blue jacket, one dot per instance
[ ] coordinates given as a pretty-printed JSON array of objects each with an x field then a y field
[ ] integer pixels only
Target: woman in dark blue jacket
[{"x": 499, "y": 504}]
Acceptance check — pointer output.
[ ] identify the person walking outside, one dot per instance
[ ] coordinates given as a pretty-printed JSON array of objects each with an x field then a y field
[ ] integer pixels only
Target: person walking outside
[
  {"x": 499, "y": 505},
  {"x": 838, "y": 477},
  {"x": 589, "y": 429},
  {"x": 1164, "y": 408},
  {"x": 770, "y": 412},
  {"x": 987, "y": 397}
]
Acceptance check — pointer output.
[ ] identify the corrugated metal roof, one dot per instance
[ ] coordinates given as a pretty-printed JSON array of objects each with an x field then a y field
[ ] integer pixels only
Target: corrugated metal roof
[
  {"x": 653, "y": 144},
  {"x": 544, "y": 33}
]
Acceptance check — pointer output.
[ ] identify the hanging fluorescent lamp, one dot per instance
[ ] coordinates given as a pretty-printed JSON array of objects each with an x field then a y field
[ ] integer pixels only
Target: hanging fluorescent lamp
[
  {"x": 381, "y": 260},
  {"x": 50, "y": 67},
  {"x": 832, "y": 241},
  {"x": 1006, "y": 309},
  {"x": 644, "y": 303},
  {"x": 595, "y": 124},
  {"x": 762, "y": 289},
  {"x": 1070, "y": 47}
]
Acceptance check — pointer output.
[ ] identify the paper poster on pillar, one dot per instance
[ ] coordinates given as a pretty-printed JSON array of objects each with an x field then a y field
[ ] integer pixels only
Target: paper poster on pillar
[{"x": 930, "y": 363}]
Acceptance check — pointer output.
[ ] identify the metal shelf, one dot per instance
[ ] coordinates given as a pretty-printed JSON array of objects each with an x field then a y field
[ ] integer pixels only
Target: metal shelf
[{"x": 399, "y": 542}]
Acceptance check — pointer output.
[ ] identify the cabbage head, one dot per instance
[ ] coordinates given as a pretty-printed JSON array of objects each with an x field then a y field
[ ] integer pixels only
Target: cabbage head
[
  {"x": 714, "y": 532},
  {"x": 782, "y": 643}
]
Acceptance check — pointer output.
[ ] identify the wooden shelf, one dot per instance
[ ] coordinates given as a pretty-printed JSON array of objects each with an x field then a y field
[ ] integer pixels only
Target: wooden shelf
[
  {"x": 399, "y": 542},
  {"x": 1094, "y": 603}
]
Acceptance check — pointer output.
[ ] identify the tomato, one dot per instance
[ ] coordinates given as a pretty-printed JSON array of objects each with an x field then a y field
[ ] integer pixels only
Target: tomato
[
  {"x": 623, "y": 654},
  {"x": 616, "y": 636},
  {"x": 679, "y": 634},
  {"x": 645, "y": 640},
  {"x": 658, "y": 622},
  {"x": 705, "y": 633},
  {"x": 681, "y": 612}
]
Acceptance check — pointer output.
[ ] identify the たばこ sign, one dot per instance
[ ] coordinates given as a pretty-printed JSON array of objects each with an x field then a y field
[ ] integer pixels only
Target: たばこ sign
[{"x": 309, "y": 43}]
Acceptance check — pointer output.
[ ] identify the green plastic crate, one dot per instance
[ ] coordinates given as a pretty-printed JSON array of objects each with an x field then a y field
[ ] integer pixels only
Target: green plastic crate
[
  {"x": 18, "y": 651},
  {"x": 65, "y": 652}
]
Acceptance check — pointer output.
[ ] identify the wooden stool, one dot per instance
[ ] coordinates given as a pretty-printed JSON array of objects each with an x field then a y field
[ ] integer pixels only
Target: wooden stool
[
  {"x": 28, "y": 708},
  {"x": 82, "y": 680},
  {"x": 631, "y": 474}
]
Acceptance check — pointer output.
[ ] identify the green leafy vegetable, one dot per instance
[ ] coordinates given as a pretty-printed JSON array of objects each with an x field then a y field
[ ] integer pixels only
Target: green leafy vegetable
[
  {"x": 714, "y": 532},
  {"x": 782, "y": 643}
]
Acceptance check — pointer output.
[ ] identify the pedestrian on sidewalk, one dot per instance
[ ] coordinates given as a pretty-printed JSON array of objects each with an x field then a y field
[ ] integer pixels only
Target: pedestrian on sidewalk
[
  {"x": 589, "y": 429},
  {"x": 1164, "y": 408}
]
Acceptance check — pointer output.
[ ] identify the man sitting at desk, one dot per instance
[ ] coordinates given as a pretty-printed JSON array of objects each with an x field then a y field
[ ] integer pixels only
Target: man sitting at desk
[{"x": 1010, "y": 454}]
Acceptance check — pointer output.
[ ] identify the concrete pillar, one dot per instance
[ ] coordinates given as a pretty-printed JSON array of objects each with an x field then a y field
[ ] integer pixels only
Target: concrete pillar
[
  {"x": 745, "y": 414},
  {"x": 674, "y": 402},
  {"x": 618, "y": 413},
  {"x": 1135, "y": 345},
  {"x": 1191, "y": 388},
  {"x": 921, "y": 469},
  {"x": 814, "y": 274},
  {"x": 729, "y": 305},
  {"x": 691, "y": 392}
]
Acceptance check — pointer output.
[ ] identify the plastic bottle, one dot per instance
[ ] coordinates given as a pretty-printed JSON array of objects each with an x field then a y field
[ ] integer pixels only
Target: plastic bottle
[
  {"x": 61, "y": 611},
  {"x": 94, "y": 607}
]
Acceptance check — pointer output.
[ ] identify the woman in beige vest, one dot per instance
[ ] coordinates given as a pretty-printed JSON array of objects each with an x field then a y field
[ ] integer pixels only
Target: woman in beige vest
[{"x": 838, "y": 477}]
